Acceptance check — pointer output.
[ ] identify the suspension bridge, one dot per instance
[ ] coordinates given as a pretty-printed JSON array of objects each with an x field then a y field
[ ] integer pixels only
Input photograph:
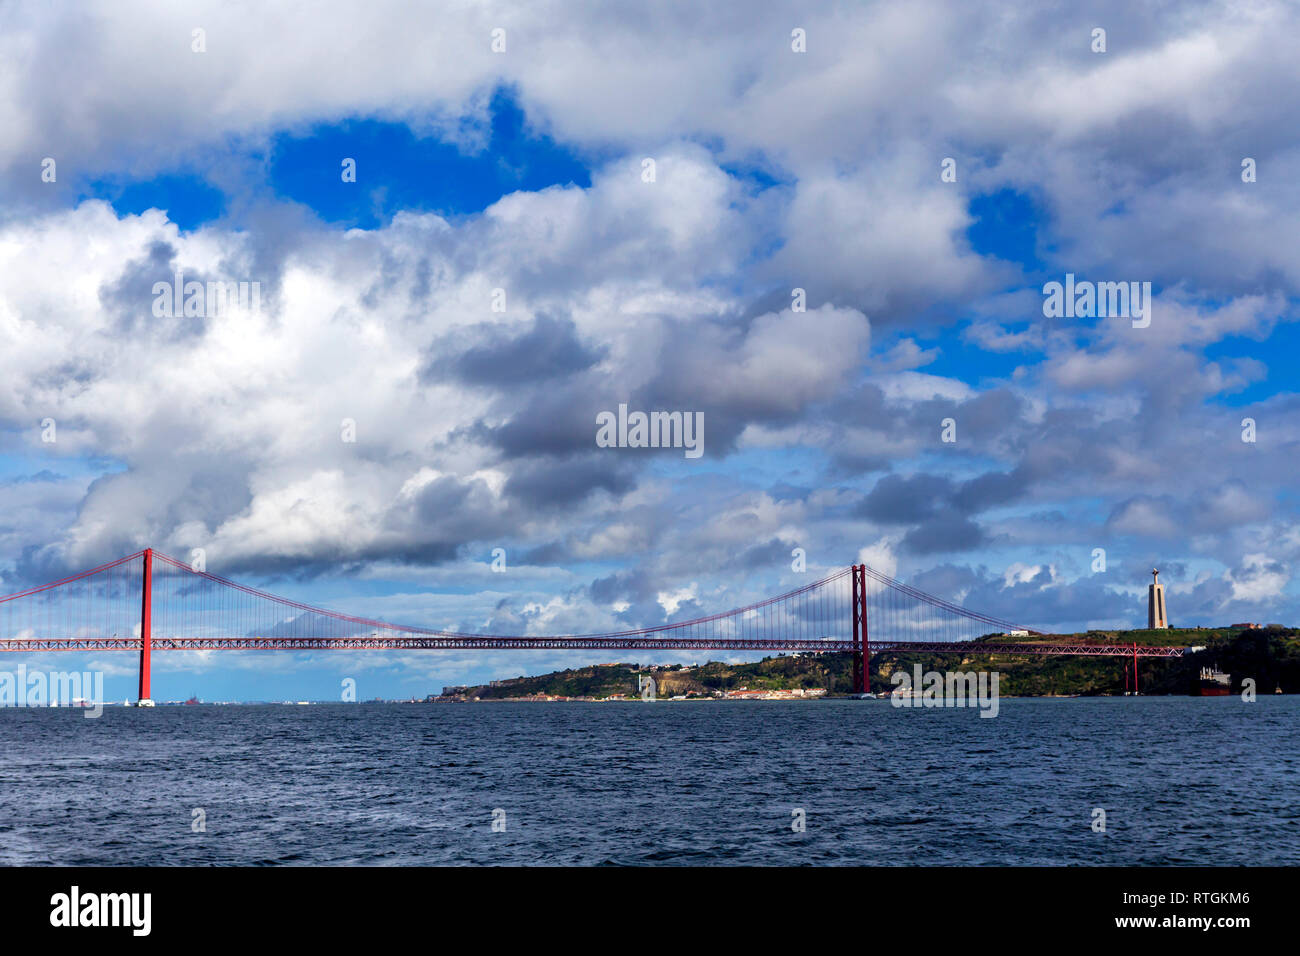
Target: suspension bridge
[{"x": 148, "y": 601}]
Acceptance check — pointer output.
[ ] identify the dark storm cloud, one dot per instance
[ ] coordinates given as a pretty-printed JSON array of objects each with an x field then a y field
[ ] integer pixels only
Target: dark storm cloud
[
  {"x": 501, "y": 356},
  {"x": 770, "y": 554},
  {"x": 443, "y": 498},
  {"x": 939, "y": 508},
  {"x": 988, "y": 491},
  {"x": 632, "y": 585},
  {"x": 991, "y": 423},
  {"x": 328, "y": 561},
  {"x": 943, "y": 533},
  {"x": 736, "y": 372},
  {"x": 899, "y": 499},
  {"x": 448, "y": 514},
  {"x": 947, "y": 579},
  {"x": 554, "y": 421},
  {"x": 902, "y": 500},
  {"x": 543, "y": 483}
]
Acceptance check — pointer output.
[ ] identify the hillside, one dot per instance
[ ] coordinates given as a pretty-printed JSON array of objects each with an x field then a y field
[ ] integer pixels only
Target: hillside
[{"x": 1270, "y": 655}]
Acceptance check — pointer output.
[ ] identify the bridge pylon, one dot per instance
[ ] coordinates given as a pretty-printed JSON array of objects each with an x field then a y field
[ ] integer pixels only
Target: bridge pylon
[
  {"x": 146, "y": 629},
  {"x": 861, "y": 641}
]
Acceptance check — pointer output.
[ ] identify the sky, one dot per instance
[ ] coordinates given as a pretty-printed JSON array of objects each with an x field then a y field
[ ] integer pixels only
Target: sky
[{"x": 825, "y": 227}]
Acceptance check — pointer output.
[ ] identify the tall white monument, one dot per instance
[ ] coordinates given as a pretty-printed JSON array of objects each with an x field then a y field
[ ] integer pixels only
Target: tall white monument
[{"x": 1157, "y": 619}]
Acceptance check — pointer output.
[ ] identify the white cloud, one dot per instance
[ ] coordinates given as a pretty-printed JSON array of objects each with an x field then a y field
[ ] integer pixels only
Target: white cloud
[
  {"x": 880, "y": 556},
  {"x": 1259, "y": 579}
]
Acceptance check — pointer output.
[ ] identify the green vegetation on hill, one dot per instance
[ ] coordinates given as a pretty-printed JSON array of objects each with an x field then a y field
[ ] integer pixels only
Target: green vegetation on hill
[
  {"x": 599, "y": 680},
  {"x": 1271, "y": 656}
]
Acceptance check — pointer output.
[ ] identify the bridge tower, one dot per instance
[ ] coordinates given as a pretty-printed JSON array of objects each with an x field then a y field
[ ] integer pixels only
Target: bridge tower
[
  {"x": 861, "y": 642},
  {"x": 146, "y": 628}
]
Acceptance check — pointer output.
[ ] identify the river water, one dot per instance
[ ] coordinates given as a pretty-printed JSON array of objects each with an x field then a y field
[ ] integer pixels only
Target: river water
[{"x": 1180, "y": 780}]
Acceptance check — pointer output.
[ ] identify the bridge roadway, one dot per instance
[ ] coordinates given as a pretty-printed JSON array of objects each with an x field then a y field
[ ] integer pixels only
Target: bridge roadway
[{"x": 471, "y": 642}]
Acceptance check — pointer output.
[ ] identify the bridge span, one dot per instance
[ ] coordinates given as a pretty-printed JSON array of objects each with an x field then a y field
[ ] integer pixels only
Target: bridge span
[{"x": 148, "y": 602}]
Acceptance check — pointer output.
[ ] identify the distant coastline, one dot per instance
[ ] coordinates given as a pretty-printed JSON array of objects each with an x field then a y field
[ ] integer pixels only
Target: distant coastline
[{"x": 1269, "y": 656}]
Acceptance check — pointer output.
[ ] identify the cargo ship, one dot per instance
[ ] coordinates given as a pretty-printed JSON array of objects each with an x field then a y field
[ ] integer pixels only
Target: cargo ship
[{"x": 1214, "y": 683}]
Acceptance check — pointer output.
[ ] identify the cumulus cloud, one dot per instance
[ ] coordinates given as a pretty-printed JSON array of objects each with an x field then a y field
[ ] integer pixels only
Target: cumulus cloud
[{"x": 1259, "y": 579}]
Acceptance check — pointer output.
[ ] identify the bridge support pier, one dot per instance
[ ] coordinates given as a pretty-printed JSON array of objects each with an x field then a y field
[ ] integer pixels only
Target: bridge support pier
[{"x": 146, "y": 629}]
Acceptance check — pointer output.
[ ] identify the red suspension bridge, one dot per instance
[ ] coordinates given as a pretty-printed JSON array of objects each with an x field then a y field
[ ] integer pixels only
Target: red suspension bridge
[{"x": 150, "y": 602}]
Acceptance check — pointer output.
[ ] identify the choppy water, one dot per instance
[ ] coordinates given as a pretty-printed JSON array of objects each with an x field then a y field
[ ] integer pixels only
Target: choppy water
[{"x": 1183, "y": 781}]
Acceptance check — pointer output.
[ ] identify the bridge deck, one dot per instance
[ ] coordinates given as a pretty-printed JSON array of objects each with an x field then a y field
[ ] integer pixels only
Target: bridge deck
[{"x": 464, "y": 642}]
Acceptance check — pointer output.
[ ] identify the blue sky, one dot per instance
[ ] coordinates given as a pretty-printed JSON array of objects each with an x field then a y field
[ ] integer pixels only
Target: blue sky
[{"x": 502, "y": 270}]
